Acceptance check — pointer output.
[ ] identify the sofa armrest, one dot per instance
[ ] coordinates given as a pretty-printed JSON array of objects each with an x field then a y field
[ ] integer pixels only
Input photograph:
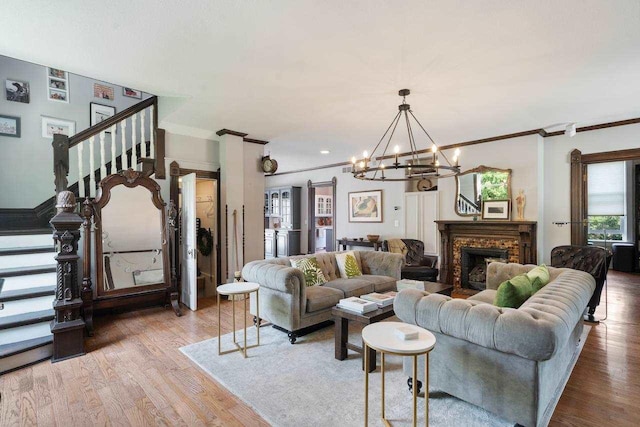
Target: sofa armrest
[
  {"x": 274, "y": 276},
  {"x": 381, "y": 263}
]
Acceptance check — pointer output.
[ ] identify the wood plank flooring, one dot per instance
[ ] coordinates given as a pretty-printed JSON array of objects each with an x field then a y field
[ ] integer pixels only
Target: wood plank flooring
[{"x": 134, "y": 374}]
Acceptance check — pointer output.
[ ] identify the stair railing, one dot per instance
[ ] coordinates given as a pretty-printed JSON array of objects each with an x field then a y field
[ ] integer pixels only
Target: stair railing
[
  {"x": 466, "y": 206},
  {"x": 116, "y": 143}
]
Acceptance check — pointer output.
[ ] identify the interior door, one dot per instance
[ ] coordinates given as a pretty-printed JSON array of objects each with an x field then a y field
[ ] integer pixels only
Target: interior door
[{"x": 189, "y": 254}]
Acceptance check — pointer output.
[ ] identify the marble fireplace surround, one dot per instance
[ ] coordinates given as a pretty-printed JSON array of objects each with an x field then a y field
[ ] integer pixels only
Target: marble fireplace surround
[{"x": 518, "y": 237}]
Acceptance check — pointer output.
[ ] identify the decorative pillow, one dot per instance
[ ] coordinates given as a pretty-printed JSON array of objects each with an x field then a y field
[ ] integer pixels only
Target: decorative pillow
[
  {"x": 309, "y": 267},
  {"x": 536, "y": 285},
  {"x": 542, "y": 273},
  {"x": 348, "y": 265},
  {"x": 513, "y": 292}
]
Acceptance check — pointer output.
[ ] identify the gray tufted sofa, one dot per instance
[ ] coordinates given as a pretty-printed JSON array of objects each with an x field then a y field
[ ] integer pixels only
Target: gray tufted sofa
[
  {"x": 288, "y": 303},
  {"x": 508, "y": 361}
]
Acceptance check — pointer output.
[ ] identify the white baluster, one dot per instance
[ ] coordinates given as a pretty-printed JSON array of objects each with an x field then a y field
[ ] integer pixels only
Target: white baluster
[
  {"x": 134, "y": 142},
  {"x": 143, "y": 143},
  {"x": 103, "y": 162},
  {"x": 113, "y": 150},
  {"x": 92, "y": 169},
  {"x": 152, "y": 148},
  {"x": 80, "y": 172},
  {"x": 123, "y": 129}
]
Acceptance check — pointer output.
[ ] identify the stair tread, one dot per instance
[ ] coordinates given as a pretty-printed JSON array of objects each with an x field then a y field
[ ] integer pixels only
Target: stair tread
[
  {"x": 27, "y": 232},
  {"x": 25, "y": 305},
  {"x": 25, "y": 332},
  {"x": 27, "y": 250},
  {"x": 28, "y": 281},
  {"x": 27, "y": 260},
  {"x": 25, "y": 240},
  {"x": 21, "y": 271},
  {"x": 7, "y": 350},
  {"x": 26, "y": 319},
  {"x": 27, "y": 293}
]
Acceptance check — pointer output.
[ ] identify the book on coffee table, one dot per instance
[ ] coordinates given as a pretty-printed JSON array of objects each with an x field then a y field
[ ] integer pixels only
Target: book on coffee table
[
  {"x": 382, "y": 300},
  {"x": 358, "y": 305}
]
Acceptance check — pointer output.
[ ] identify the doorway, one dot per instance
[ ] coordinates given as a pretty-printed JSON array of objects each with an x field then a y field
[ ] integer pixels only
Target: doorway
[{"x": 322, "y": 216}]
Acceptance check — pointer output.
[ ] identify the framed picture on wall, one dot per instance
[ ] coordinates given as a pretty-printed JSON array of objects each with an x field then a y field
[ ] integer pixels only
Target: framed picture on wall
[
  {"x": 9, "y": 126},
  {"x": 57, "y": 85},
  {"x": 365, "y": 206},
  {"x": 52, "y": 126},
  {"x": 17, "y": 91},
  {"x": 99, "y": 113},
  {"x": 131, "y": 93},
  {"x": 496, "y": 209},
  {"x": 103, "y": 91}
]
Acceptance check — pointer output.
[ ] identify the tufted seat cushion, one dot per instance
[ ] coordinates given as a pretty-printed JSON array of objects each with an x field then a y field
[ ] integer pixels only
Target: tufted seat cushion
[
  {"x": 535, "y": 331},
  {"x": 487, "y": 296},
  {"x": 380, "y": 283},
  {"x": 321, "y": 297},
  {"x": 351, "y": 287}
]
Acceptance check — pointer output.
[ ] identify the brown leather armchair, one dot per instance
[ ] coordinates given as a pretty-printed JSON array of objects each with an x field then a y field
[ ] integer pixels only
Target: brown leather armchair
[
  {"x": 417, "y": 265},
  {"x": 591, "y": 259}
]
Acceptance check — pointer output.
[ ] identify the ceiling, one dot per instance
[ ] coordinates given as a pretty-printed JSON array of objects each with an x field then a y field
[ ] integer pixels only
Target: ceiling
[{"x": 313, "y": 75}]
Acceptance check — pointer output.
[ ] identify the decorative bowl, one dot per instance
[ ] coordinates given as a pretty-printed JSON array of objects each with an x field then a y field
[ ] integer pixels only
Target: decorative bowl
[
  {"x": 373, "y": 237},
  {"x": 361, "y": 238}
]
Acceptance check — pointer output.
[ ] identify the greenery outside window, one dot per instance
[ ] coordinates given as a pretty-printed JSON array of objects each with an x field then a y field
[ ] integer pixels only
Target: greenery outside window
[{"x": 612, "y": 225}]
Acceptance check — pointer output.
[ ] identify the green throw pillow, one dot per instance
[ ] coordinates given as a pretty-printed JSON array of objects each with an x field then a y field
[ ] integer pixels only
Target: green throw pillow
[
  {"x": 309, "y": 267},
  {"x": 542, "y": 273},
  {"x": 513, "y": 292},
  {"x": 348, "y": 265},
  {"x": 536, "y": 284}
]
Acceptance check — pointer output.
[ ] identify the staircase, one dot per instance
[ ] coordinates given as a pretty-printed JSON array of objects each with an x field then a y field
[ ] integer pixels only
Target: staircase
[{"x": 27, "y": 289}]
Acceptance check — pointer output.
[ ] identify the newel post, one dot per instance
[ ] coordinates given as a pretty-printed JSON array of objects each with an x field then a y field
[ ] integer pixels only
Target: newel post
[
  {"x": 67, "y": 326},
  {"x": 60, "y": 161},
  {"x": 87, "y": 290}
]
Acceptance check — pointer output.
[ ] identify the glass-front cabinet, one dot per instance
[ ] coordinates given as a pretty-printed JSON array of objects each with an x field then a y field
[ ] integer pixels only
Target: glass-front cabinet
[
  {"x": 324, "y": 205},
  {"x": 274, "y": 209},
  {"x": 282, "y": 217},
  {"x": 285, "y": 214}
]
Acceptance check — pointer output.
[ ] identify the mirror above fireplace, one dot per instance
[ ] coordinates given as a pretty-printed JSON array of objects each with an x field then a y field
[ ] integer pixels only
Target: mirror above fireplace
[{"x": 478, "y": 184}]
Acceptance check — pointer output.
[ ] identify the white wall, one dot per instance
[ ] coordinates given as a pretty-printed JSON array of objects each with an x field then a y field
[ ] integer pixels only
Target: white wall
[
  {"x": 557, "y": 159},
  {"x": 30, "y": 157}
]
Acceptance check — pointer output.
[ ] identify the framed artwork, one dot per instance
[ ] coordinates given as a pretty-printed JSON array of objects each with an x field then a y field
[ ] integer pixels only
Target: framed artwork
[
  {"x": 17, "y": 91},
  {"x": 103, "y": 91},
  {"x": 496, "y": 209},
  {"x": 52, "y": 126},
  {"x": 365, "y": 206},
  {"x": 57, "y": 85},
  {"x": 131, "y": 93},
  {"x": 99, "y": 113},
  {"x": 9, "y": 126}
]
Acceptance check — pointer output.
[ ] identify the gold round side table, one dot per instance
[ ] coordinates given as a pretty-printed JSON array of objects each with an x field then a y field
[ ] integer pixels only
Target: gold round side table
[
  {"x": 238, "y": 288},
  {"x": 381, "y": 337}
]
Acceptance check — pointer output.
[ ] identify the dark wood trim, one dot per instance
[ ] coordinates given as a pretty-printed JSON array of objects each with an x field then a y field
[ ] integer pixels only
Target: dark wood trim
[
  {"x": 202, "y": 174},
  {"x": 231, "y": 132},
  {"x": 161, "y": 172},
  {"x": 311, "y": 211},
  {"x": 611, "y": 156},
  {"x": 540, "y": 132},
  {"x": 255, "y": 141},
  {"x": 106, "y": 124}
]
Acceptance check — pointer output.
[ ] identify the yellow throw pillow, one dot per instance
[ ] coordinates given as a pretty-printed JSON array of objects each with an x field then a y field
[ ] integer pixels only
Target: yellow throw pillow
[{"x": 348, "y": 265}]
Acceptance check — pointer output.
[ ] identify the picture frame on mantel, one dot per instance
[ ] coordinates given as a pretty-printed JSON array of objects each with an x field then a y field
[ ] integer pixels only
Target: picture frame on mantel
[
  {"x": 365, "y": 206},
  {"x": 496, "y": 210}
]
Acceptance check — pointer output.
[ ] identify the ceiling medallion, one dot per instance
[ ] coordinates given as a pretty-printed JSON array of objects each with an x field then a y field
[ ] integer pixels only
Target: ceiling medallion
[{"x": 372, "y": 168}]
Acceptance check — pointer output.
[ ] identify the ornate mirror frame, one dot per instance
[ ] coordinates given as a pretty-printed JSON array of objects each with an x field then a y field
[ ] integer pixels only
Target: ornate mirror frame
[
  {"x": 480, "y": 169},
  {"x": 129, "y": 179}
]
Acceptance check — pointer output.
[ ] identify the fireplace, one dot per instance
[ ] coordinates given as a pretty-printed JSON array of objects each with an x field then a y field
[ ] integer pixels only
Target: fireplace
[
  {"x": 516, "y": 238},
  {"x": 474, "y": 262}
]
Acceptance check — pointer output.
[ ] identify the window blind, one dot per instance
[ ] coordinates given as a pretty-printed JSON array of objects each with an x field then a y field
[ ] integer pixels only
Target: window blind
[{"x": 606, "y": 188}]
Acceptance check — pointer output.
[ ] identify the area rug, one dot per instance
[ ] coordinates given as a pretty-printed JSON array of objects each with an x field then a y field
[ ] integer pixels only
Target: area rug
[{"x": 304, "y": 385}]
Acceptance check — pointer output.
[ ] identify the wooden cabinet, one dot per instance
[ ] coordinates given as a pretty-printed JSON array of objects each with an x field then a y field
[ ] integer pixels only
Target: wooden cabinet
[
  {"x": 288, "y": 243},
  {"x": 284, "y": 204},
  {"x": 269, "y": 243},
  {"x": 324, "y": 205},
  {"x": 420, "y": 214},
  {"x": 267, "y": 205}
]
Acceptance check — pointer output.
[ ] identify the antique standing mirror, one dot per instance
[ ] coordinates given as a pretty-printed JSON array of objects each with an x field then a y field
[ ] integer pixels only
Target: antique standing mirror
[
  {"x": 480, "y": 184},
  {"x": 132, "y": 258}
]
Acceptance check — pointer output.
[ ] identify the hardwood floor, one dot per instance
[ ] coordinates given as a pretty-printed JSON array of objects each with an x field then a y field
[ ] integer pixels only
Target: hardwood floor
[{"x": 134, "y": 374}]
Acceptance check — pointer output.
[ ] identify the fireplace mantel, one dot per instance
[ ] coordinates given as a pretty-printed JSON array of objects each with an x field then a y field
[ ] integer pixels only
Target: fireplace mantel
[{"x": 519, "y": 237}]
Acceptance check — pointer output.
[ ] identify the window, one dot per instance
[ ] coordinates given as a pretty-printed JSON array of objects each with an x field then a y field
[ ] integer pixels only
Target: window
[{"x": 606, "y": 201}]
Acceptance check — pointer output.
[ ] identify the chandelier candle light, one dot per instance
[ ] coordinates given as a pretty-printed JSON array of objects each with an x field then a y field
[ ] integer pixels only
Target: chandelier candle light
[{"x": 368, "y": 169}]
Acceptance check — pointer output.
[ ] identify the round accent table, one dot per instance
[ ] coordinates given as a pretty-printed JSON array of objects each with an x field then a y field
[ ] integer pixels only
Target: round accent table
[
  {"x": 382, "y": 337},
  {"x": 238, "y": 288}
]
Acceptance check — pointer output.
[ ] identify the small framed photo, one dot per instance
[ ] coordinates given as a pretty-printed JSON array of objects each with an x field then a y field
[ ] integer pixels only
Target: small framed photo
[
  {"x": 365, "y": 206},
  {"x": 9, "y": 126},
  {"x": 57, "y": 85},
  {"x": 52, "y": 126},
  {"x": 99, "y": 113},
  {"x": 103, "y": 91},
  {"x": 131, "y": 93},
  {"x": 496, "y": 209},
  {"x": 17, "y": 91}
]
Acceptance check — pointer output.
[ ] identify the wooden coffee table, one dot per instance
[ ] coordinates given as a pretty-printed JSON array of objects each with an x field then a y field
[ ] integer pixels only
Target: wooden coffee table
[{"x": 342, "y": 317}]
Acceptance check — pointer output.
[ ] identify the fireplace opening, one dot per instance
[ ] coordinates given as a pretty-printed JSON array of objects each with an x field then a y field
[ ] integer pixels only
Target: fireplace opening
[{"x": 474, "y": 262}]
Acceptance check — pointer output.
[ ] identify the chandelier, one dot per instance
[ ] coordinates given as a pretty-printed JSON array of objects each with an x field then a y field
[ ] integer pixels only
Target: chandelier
[{"x": 372, "y": 168}]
